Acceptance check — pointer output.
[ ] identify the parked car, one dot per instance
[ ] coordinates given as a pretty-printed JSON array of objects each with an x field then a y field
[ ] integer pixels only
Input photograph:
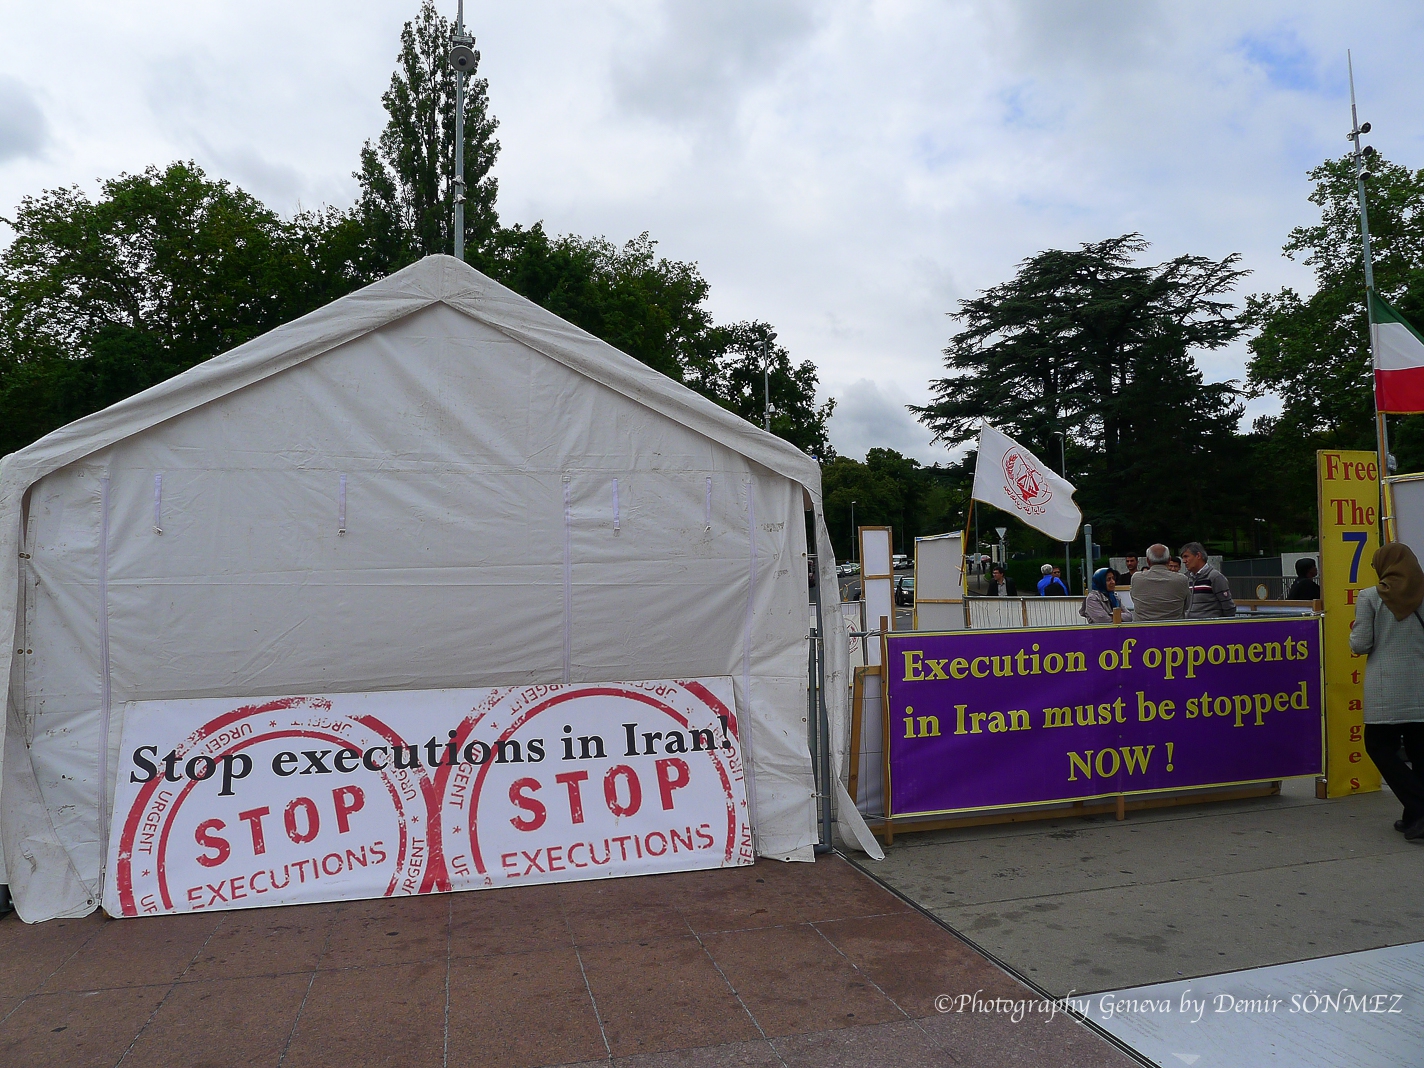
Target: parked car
[
  {"x": 901, "y": 562},
  {"x": 905, "y": 591},
  {"x": 848, "y": 569}
]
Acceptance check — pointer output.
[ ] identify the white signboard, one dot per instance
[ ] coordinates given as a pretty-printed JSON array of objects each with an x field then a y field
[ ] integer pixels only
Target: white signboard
[
  {"x": 223, "y": 805},
  {"x": 939, "y": 583},
  {"x": 877, "y": 583},
  {"x": 1407, "y": 496}
]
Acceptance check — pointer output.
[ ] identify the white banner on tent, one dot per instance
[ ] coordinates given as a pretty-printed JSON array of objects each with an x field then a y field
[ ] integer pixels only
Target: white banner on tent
[{"x": 225, "y": 804}]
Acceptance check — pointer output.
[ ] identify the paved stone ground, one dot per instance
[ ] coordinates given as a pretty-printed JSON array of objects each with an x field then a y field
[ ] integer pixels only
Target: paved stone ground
[
  {"x": 1091, "y": 904},
  {"x": 775, "y": 964}
]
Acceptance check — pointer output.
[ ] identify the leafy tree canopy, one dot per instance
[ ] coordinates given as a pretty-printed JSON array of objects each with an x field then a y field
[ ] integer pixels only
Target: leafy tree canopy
[
  {"x": 647, "y": 306},
  {"x": 654, "y": 309},
  {"x": 1314, "y": 351},
  {"x": 889, "y": 489},
  {"x": 736, "y": 378},
  {"x": 102, "y": 298}
]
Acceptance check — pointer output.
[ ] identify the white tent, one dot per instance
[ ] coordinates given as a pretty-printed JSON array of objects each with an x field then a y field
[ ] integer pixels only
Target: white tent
[{"x": 431, "y": 482}]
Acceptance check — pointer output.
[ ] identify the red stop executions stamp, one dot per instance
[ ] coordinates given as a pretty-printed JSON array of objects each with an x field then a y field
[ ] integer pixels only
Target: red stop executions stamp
[
  {"x": 271, "y": 803},
  {"x": 320, "y": 798}
]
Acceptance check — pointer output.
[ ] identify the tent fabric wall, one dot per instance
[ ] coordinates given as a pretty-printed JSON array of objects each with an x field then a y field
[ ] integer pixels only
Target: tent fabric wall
[{"x": 188, "y": 542}]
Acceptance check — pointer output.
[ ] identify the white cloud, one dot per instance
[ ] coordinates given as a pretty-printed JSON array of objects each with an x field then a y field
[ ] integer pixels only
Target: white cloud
[
  {"x": 700, "y": 57},
  {"x": 870, "y": 415},
  {"x": 23, "y": 130}
]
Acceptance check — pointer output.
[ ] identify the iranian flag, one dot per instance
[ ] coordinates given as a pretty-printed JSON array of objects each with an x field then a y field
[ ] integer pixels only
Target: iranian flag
[{"x": 1399, "y": 360}]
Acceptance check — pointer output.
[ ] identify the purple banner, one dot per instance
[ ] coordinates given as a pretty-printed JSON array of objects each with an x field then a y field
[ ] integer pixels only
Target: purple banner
[{"x": 1002, "y": 718}]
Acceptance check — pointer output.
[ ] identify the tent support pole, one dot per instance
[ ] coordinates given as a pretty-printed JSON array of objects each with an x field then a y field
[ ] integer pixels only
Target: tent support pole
[
  {"x": 827, "y": 785},
  {"x": 813, "y": 723},
  {"x": 820, "y": 727}
]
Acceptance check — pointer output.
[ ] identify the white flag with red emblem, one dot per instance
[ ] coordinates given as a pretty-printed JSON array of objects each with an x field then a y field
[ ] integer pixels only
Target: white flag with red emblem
[{"x": 1010, "y": 477}]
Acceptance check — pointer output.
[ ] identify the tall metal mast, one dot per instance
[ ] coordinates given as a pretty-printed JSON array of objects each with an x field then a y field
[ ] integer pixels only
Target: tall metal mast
[
  {"x": 459, "y": 184},
  {"x": 766, "y": 372},
  {"x": 1361, "y": 155}
]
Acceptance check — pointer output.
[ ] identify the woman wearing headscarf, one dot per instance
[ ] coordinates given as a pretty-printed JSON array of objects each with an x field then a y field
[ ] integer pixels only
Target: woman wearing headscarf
[
  {"x": 1098, "y": 605},
  {"x": 1389, "y": 630}
]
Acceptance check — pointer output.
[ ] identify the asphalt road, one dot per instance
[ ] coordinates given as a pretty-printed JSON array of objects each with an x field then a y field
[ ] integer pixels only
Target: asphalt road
[{"x": 850, "y": 590}]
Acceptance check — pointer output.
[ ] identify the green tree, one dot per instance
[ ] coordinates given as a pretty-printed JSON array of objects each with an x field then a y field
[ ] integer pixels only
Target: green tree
[
  {"x": 1093, "y": 346},
  {"x": 736, "y": 378},
  {"x": 878, "y": 500},
  {"x": 407, "y": 177},
  {"x": 1313, "y": 351},
  {"x": 102, "y": 298},
  {"x": 648, "y": 306},
  {"x": 895, "y": 491},
  {"x": 654, "y": 309}
]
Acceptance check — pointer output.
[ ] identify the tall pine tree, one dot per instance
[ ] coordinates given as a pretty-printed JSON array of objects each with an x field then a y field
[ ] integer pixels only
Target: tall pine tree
[{"x": 1091, "y": 345}]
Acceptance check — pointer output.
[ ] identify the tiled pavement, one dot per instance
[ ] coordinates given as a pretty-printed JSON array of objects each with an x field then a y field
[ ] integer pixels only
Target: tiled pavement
[{"x": 776, "y": 964}]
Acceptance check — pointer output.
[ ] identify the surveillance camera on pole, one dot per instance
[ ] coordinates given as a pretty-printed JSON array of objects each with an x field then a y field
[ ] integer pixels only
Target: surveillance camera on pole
[
  {"x": 1365, "y": 155},
  {"x": 462, "y": 55},
  {"x": 766, "y": 372},
  {"x": 463, "y": 59}
]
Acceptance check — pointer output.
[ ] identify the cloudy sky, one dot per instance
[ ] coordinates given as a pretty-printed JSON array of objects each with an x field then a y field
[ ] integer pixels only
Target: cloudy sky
[{"x": 845, "y": 170}]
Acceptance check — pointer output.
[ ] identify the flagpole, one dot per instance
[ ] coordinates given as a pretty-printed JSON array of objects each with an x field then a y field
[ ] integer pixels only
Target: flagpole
[
  {"x": 964, "y": 552},
  {"x": 1381, "y": 428}
]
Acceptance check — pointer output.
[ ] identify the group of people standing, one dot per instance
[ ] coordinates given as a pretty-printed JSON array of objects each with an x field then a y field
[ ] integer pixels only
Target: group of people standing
[
  {"x": 1388, "y": 631},
  {"x": 1192, "y": 589}
]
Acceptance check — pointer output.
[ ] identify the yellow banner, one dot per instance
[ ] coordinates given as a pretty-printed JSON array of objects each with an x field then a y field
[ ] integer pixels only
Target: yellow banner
[{"x": 1348, "y": 484}]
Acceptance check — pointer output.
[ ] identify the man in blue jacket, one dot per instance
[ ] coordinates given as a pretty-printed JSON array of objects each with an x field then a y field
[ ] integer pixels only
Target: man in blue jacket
[{"x": 1051, "y": 585}]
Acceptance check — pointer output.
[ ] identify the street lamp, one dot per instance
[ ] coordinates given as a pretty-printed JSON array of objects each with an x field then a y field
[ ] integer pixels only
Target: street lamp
[
  {"x": 854, "y": 553},
  {"x": 462, "y": 59},
  {"x": 766, "y": 372},
  {"x": 1063, "y": 470}
]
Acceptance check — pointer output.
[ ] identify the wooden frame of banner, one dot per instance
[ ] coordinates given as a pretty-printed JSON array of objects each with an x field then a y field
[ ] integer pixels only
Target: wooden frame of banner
[
  {"x": 1119, "y": 805},
  {"x": 1116, "y": 803},
  {"x": 860, "y": 536},
  {"x": 1390, "y": 517},
  {"x": 885, "y": 728},
  {"x": 857, "y": 695}
]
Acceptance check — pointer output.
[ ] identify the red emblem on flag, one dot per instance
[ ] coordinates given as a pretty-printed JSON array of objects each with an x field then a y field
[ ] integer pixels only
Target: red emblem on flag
[{"x": 1025, "y": 484}]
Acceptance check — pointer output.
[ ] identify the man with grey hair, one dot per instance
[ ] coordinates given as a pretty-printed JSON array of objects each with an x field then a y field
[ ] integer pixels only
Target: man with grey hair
[
  {"x": 1159, "y": 593},
  {"x": 1211, "y": 593}
]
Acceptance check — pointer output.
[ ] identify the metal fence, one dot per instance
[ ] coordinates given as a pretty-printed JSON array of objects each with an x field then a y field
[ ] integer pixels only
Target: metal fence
[
  {"x": 998, "y": 613},
  {"x": 1001, "y": 613}
]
